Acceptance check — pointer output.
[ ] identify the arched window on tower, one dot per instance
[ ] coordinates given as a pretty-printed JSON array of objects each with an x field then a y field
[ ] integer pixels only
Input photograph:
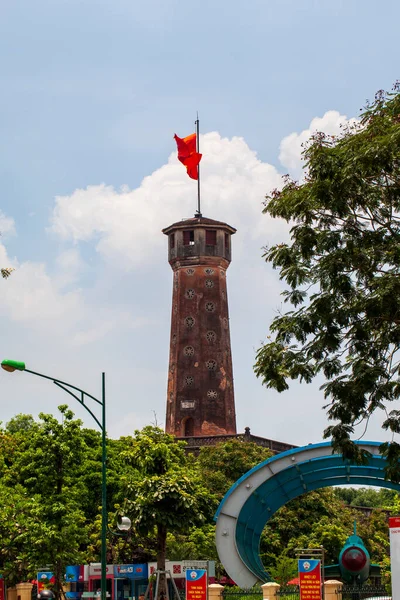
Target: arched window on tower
[{"x": 188, "y": 427}]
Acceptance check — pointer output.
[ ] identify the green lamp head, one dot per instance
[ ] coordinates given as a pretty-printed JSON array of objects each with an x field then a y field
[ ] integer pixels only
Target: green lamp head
[{"x": 12, "y": 365}]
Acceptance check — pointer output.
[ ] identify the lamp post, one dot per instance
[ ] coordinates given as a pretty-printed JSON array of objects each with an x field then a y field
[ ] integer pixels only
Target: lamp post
[{"x": 81, "y": 396}]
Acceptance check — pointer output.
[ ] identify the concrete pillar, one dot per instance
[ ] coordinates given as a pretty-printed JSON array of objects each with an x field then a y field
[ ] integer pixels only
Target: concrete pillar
[
  {"x": 11, "y": 593},
  {"x": 24, "y": 591},
  {"x": 215, "y": 591},
  {"x": 270, "y": 590},
  {"x": 333, "y": 589}
]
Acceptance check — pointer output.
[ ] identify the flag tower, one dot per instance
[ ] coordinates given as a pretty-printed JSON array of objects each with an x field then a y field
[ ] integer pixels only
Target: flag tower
[{"x": 200, "y": 395}]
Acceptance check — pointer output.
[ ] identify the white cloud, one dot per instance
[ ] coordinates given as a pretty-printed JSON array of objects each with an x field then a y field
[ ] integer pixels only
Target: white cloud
[
  {"x": 30, "y": 296},
  {"x": 120, "y": 323},
  {"x": 291, "y": 147},
  {"x": 69, "y": 266},
  {"x": 7, "y": 225},
  {"x": 33, "y": 298},
  {"x": 124, "y": 223}
]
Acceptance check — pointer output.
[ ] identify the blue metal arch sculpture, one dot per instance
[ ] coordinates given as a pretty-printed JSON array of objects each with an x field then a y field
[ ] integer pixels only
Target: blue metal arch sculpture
[{"x": 255, "y": 498}]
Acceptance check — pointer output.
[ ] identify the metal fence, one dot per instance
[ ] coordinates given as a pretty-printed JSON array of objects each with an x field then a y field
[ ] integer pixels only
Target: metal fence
[
  {"x": 351, "y": 592},
  {"x": 290, "y": 592},
  {"x": 234, "y": 593}
]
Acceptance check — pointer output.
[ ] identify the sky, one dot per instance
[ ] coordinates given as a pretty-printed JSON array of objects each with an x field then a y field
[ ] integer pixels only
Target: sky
[{"x": 92, "y": 94}]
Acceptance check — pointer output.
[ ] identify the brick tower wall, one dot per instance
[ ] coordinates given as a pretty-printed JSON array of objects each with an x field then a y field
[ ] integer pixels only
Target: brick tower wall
[{"x": 200, "y": 396}]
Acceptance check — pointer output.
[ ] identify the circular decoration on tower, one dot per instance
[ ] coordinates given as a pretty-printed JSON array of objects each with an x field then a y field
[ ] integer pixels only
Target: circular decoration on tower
[
  {"x": 190, "y": 293},
  {"x": 223, "y": 273},
  {"x": 189, "y": 322},
  {"x": 188, "y": 351},
  {"x": 209, "y": 283},
  {"x": 211, "y": 365},
  {"x": 211, "y": 336},
  {"x": 210, "y": 306},
  {"x": 212, "y": 394},
  {"x": 225, "y": 322},
  {"x": 189, "y": 271},
  {"x": 208, "y": 271},
  {"x": 173, "y": 338},
  {"x": 189, "y": 380}
]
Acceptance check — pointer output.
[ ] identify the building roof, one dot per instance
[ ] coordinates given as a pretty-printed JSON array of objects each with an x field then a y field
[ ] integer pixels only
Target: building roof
[{"x": 197, "y": 222}]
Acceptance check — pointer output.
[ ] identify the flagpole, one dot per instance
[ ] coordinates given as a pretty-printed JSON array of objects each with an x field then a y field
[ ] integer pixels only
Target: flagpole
[{"x": 198, "y": 212}]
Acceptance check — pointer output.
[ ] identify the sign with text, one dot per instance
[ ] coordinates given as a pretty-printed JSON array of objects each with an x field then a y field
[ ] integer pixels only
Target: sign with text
[
  {"x": 394, "y": 535},
  {"x": 310, "y": 579},
  {"x": 196, "y": 584}
]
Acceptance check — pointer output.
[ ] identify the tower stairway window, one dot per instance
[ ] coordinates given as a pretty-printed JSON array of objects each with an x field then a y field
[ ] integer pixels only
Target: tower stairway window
[
  {"x": 188, "y": 237},
  {"x": 188, "y": 427}
]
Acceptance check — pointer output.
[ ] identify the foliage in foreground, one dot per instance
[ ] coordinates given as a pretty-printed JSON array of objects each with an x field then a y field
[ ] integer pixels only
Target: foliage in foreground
[
  {"x": 342, "y": 269},
  {"x": 50, "y": 497}
]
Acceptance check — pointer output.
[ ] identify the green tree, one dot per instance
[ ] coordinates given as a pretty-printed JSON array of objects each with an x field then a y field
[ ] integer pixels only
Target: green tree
[
  {"x": 366, "y": 497},
  {"x": 20, "y": 423},
  {"x": 15, "y": 521},
  {"x": 223, "y": 464},
  {"x": 284, "y": 570},
  {"x": 197, "y": 544},
  {"x": 316, "y": 518},
  {"x": 48, "y": 465},
  {"x": 168, "y": 493},
  {"x": 342, "y": 269}
]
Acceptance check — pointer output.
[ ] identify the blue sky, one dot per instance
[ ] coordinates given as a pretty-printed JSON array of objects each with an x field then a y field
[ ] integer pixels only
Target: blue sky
[{"x": 92, "y": 93}]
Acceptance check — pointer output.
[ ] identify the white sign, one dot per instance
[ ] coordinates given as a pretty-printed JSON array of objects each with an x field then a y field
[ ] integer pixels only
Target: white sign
[{"x": 95, "y": 570}]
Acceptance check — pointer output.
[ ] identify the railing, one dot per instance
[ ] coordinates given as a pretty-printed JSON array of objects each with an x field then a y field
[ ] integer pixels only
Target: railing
[
  {"x": 234, "y": 593},
  {"x": 352, "y": 592},
  {"x": 290, "y": 592}
]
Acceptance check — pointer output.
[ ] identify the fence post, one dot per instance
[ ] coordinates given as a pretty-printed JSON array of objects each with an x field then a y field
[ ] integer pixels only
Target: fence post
[
  {"x": 11, "y": 593},
  {"x": 270, "y": 590},
  {"x": 333, "y": 589},
  {"x": 24, "y": 591},
  {"x": 215, "y": 591}
]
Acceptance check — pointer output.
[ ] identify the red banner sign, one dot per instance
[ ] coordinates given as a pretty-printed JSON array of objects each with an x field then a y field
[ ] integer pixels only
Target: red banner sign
[
  {"x": 310, "y": 579},
  {"x": 2, "y": 589},
  {"x": 196, "y": 584}
]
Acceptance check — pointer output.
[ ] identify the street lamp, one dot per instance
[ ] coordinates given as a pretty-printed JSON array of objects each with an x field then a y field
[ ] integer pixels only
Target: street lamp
[{"x": 15, "y": 365}]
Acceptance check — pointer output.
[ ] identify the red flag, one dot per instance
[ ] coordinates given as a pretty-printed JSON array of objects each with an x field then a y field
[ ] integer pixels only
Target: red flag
[{"x": 188, "y": 155}]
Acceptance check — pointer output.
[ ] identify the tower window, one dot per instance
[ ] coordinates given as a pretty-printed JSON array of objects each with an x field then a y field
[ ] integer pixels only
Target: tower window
[
  {"x": 211, "y": 237},
  {"x": 172, "y": 241},
  {"x": 211, "y": 336},
  {"x": 188, "y": 427},
  {"x": 188, "y": 237},
  {"x": 211, "y": 365},
  {"x": 189, "y": 322}
]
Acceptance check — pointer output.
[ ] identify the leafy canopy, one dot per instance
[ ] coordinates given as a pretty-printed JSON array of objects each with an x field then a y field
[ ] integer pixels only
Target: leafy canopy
[{"x": 342, "y": 269}]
